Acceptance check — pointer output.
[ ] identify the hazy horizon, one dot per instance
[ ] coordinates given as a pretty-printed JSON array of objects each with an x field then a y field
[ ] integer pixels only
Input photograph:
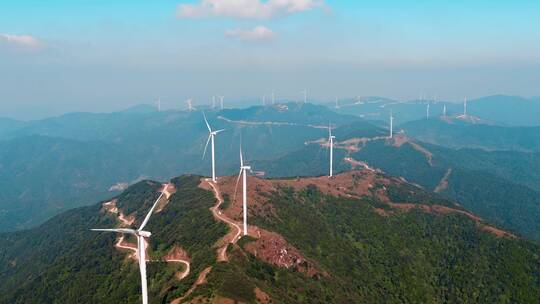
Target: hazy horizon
[{"x": 64, "y": 56}]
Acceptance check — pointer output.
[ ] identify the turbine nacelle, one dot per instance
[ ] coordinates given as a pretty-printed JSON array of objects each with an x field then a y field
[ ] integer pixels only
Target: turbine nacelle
[
  {"x": 214, "y": 133},
  {"x": 145, "y": 234}
]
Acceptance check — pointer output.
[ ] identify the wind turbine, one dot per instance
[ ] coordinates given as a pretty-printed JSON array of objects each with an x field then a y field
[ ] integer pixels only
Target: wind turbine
[
  {"x": 141, "y": 250},
  {"x": 243, "y": 169},
  {"x": 331, "y": 143},
  {"x": 221, "y": 101},
  {"x": 337, "y": 103},
  {"x": 273, "y": 98},
  {"x": 391, "y": 124},
  {"x": 464, "y": 109},
  {"x": 264, "y": 100},
  {"x": 305, "y": 95},
  {"x": 444, "y": 111},
  {"x": 159, "y": 104},
  {"x": 211, "y": 137},
  {"x": 190, "y": 105},
  {"x": 427, "y": 111}
]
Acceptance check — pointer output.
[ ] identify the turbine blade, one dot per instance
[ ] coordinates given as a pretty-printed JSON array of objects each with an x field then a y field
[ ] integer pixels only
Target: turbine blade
[
  {"x": 119, "y": 230},
  {"x": 207, "y": 124},
  {"x": 329, "y": 131},
  {"x": 205, "y": 147},
  {"x": 236, "y": 186},
  {"x": 147, "y": 218},
  {"x": 241, "y": 158},
  {"x": 219, "y": 131}
]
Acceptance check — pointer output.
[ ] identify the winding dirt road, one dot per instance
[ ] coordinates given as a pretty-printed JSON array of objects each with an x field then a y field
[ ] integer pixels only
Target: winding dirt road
[
  {"x": 231, "y": 237},
  {"x": 184, "y": 273}
]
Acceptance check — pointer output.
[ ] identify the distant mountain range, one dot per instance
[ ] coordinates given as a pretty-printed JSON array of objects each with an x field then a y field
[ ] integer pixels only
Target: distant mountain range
[
  {"x": 497, "y": 109},
  {"x": 56, "y": 164},
  {"x": 456, "y": 134}
]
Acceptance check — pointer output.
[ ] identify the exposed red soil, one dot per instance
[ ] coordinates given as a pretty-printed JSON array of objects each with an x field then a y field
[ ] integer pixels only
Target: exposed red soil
[
  {"x": 168, "y": 190},
  {"x": 382, "y": 212},
  {"x": 177, "y": 253},
  {"x": 111, "y": 206},
  {"x": 495, "y": 231},
  {"x": 273, "y": 249},
  {"x": 351, "y": 145},
  {"x": 261, "y": 297},
  {"x": 400, "y": 140},
  {"x": 256, "y": 191},
  {"x": 349, "y": 184},
  {"x": 443, "y": 184}
]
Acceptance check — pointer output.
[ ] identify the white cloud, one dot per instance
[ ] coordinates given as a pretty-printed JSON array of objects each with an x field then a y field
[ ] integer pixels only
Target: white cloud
[
  {"x": 249, "y": 9},
  {"x": 22, "y": 41},
  {"x": 259, "y": 33}
]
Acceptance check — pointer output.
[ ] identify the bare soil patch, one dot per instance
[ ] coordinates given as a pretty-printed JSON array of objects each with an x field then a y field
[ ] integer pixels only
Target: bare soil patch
[{"x": 273, "y": 249}]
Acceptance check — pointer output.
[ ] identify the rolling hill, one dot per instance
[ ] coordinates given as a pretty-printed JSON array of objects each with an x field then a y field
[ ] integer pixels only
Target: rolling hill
[
  {"x": 496, "y": 109},
  {"x": 52, "y": 165},
  {"x": 453, "y": 134},
  {"x": 360, "y": 237}
]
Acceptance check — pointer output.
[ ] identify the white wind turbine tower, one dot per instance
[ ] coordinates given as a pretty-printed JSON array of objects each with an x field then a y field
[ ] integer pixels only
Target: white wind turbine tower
[
  {"x": 331, "y": 144},
  {"x": 337, "y": 103},
  {"x": 211, "y": 137},
  {"x": 464, "y": 109},
  {"x": 427, "y": 111},
  {"x": 305, "y": 95},
  {"x": 221, "y": 101},
  {"x": 243, "y": 173},
  {"x": 141, "y": 250},
  {"x": 159, "y": 104},
  {"x": 444, "y": 111},
  {"x": 273, "y": 98},
  {"x": 190, "y": 105},
  {"x": 391, "y": 124}
]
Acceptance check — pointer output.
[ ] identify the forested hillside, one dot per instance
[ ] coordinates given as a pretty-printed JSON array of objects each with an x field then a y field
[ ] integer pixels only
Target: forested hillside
[{"x": 361, "y": 237}]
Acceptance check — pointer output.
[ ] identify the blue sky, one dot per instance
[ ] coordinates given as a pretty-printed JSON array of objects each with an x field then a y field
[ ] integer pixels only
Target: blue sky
[{"x": 82, "y": 55}]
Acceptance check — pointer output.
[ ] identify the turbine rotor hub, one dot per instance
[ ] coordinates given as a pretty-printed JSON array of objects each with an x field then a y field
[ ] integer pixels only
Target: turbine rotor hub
[{"x": 145, "y": 234}]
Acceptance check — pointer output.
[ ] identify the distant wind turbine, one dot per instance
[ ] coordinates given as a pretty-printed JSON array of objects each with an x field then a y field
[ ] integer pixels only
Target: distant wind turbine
[
  {"x": 337, "y": 103},
  {"x": 305, "y": 95},
  {"x": 464, "y": 109},
  {"x": 141, "y": 250},
  {"x": 221, "y": 101},
  {"x": 391, "y": 124},
  {"x": 211, "y": 137},
  {"x": 264, "y": 100},
  {"x": 331, "y": 144},
  {"x": 190, "y": 105},
  {"x": 243, "y": 169},
  {"x": 159, "y": 104},
  {"x": 427, "y": 111},
  {"x": 273, "y": 98}
]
